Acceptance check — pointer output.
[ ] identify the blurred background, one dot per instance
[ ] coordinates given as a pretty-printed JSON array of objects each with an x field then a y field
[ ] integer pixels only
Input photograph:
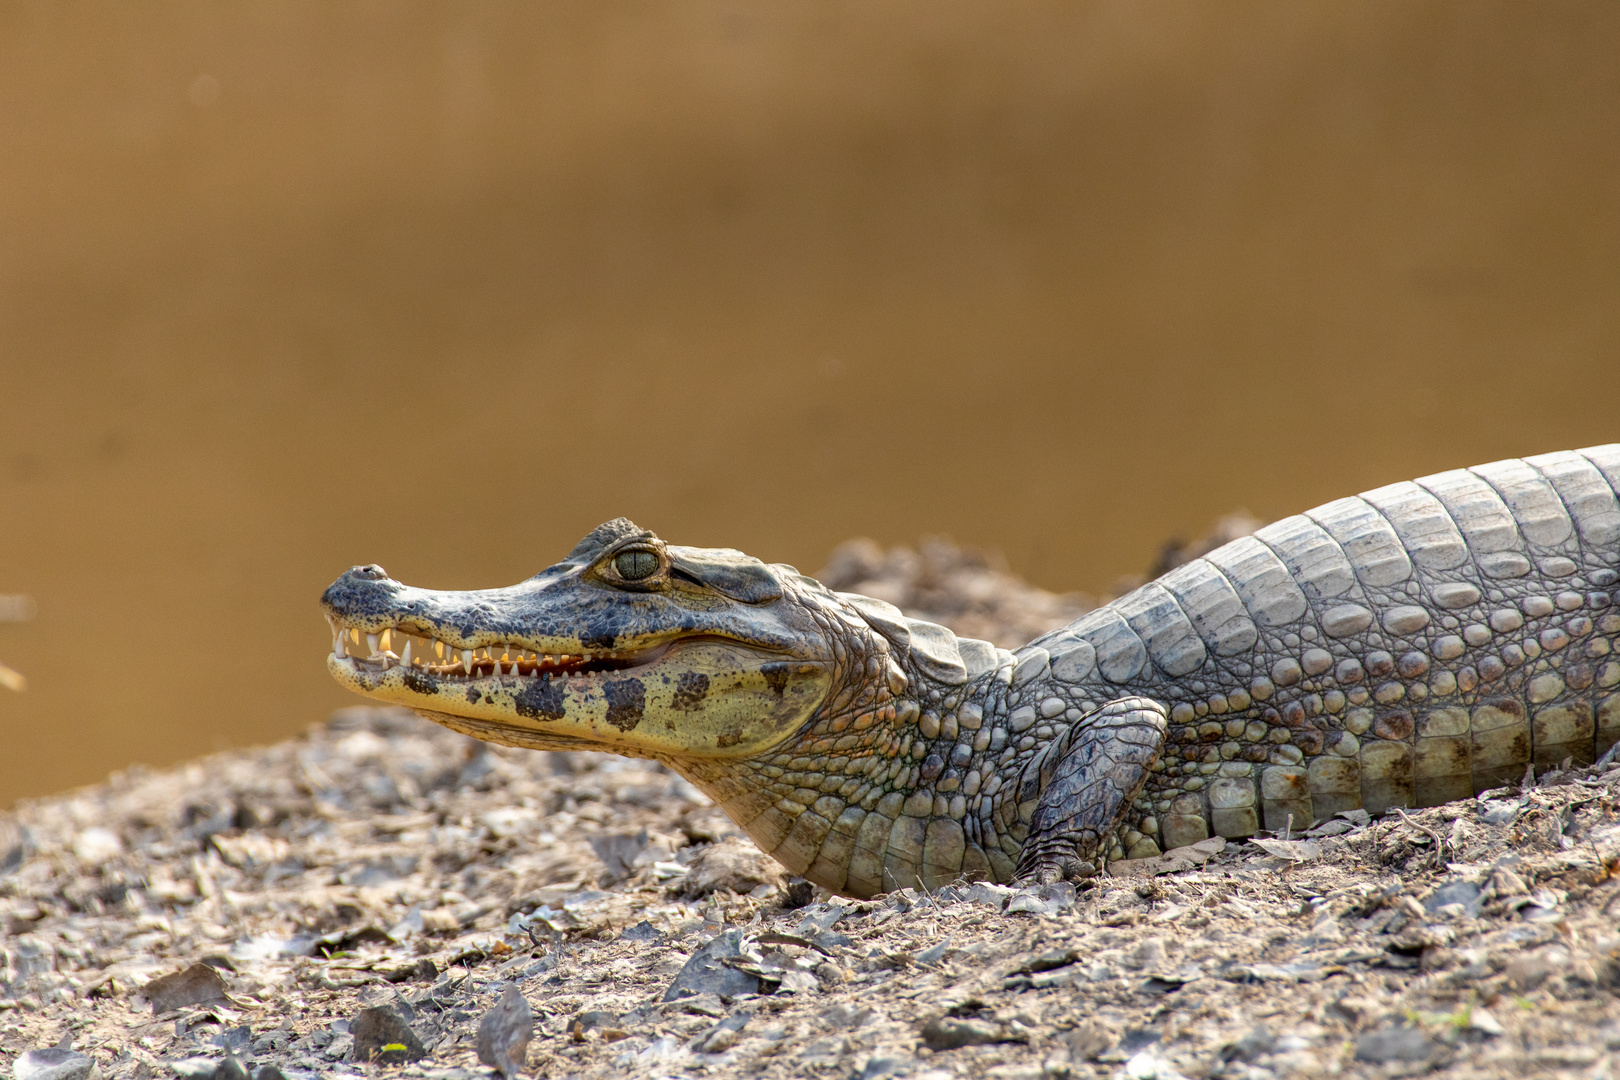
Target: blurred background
[{"x": 290, "y": 286}]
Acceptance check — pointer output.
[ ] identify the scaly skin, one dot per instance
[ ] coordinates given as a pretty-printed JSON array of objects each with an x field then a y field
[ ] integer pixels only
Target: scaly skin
[{"x": 1409, "y": 646}]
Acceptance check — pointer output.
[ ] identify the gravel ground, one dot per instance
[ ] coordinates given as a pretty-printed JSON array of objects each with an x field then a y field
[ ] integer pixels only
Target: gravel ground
[{"x": 371, "y": 889}]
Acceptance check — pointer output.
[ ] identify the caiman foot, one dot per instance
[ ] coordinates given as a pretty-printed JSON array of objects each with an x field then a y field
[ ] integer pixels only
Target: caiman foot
[{"x": 1081, "y": 786}]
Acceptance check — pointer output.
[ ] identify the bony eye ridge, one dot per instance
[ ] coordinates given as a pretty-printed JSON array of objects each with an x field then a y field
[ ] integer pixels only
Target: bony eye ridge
[{"x": 635, "y": 565}]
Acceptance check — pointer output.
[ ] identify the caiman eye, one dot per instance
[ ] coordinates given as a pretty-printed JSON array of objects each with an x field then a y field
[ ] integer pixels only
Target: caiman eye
[{"x": 635, "y": 565}]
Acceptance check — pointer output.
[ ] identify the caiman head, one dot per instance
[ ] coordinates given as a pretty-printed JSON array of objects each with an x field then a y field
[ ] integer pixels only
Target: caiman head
[
  {"x": 629, "y": 645},
  {"x": 634, "y": 646}
]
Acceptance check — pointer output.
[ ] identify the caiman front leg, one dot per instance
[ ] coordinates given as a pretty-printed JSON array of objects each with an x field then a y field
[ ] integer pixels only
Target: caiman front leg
[{"x": 1075, "y": 793}]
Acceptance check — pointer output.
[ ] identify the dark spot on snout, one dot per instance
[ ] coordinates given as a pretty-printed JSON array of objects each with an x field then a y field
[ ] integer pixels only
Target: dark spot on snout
[
  {"x": 472, "y": 696},
  {"x": 541, "y": 699},
  {"x": 729, "y": 738},
  {"x": 627, "y": 700},
  {"x": 690, "y": 691}
]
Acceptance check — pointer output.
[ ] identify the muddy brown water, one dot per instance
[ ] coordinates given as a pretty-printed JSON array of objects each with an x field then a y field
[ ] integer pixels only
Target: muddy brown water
[{"x": 293, "y": 286}]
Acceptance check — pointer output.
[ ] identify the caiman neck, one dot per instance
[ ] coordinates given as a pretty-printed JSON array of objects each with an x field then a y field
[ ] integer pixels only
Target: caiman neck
[{"x": 839, "y": 801}]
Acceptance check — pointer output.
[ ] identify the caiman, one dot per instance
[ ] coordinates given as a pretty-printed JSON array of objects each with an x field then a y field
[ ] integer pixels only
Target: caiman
[{"x": 1415, "y": 644}]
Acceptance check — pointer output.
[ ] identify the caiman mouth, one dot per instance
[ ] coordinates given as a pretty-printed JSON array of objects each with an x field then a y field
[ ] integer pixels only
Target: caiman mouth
[{"x": 396, "y": 647}]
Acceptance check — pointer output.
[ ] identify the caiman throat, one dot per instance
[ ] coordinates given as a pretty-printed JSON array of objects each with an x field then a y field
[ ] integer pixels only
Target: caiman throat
[{"x": 1404, "y": 647}]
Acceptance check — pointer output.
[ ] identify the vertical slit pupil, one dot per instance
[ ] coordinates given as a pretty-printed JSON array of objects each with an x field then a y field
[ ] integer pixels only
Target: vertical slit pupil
[{"x": 635, "y": 565}]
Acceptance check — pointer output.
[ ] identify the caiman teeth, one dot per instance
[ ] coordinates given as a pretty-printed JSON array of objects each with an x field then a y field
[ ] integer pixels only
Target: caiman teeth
[{"x": 393, "y": 647}]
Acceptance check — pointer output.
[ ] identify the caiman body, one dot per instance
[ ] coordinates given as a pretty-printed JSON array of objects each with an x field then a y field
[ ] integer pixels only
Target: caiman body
[{"x": 1405, "y": 647}]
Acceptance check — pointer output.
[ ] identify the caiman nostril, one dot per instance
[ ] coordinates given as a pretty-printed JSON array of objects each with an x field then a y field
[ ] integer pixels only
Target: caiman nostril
[{"x": 370, "y": 571}]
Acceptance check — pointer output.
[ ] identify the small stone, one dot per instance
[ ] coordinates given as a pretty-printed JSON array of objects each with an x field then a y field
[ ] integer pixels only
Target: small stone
[
  {"x": 706, "y": 971},
  {"x": 984, "y": 892},
  {"x": 723, "y": 1036},
  {"x": 1464, "y": 894},
  {"x": 642, "y": 931},
  {"x": 730, "y": 864},
  {"x": 1042, "y": 899},
  {"x": 952, "y": 1033},
  {"x": 1505, "y": 882},
  {"x": 1481, "y": 1020},
  {"x": 230, "y": 1069},
  {"x": 54, "y": 1063},
  {"x": 382, "y": 1034},
  {"x": 1256, "y": 1043},
  {"x": 1050, "y": 960},
  {"x": 1396, "y": 1044},
  {"x": 704, "y": 1005},
  {"x": 339, "y": 1048},
  {"x": 198, "y": 984},
  {"x": 269, "y": 1072},
  {"x": 1525, "y": 973},
  {"x": 505, "y": 1031}
]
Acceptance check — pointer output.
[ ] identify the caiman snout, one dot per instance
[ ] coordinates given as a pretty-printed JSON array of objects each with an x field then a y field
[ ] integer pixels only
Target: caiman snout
[{"x": 362, "y": 593}]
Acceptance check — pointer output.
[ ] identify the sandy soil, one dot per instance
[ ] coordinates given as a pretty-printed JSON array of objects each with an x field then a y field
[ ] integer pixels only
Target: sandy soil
[{"x": 378, "y": 862}]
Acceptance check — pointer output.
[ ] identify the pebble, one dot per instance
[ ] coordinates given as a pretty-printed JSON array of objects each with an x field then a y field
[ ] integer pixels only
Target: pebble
[
  {"x": 723, "y": 1036},
  {"x": 642, "y": 931},
  {"x": 382, "y": 1034},
  {"x": 198, "y": 984},
  {"x": 1396, "y": 1044},
  {"x": 706, "y": 972},
  {"x": 1257, "y": 1042},
  {"x": 54, "y": 1063},
  {"x": 231, "y": 1068},
  {"x": 1042, "y": 899},
  {"x": 952, "y": 1033},
  {"x": 1464, "y": 893},
  {"x": 1525, "y": 973},
  {"x": 505, "y": 1031}
]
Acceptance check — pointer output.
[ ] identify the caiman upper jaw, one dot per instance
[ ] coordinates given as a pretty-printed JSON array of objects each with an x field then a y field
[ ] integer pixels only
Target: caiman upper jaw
[{"x": 399, "y": 647}]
